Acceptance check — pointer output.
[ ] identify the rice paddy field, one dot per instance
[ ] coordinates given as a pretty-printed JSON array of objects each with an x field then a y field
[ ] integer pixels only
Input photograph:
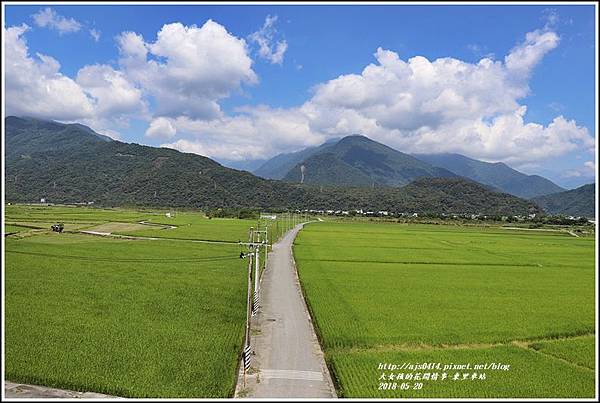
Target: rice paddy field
[
  {"x": 125, "y": 317},
  {"x": 156, "y": 307},
  {"x": 183, "y": 225},
  {"x": 447, "y": 295}
]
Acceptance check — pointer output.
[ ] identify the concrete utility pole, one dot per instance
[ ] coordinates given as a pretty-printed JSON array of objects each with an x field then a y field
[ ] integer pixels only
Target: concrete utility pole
[
  {"x": 256, "y": 277},
  {"x": 264, "y": 242},
  {"x": 266, "y": 245},
  {"x": 246, "y": 353}
]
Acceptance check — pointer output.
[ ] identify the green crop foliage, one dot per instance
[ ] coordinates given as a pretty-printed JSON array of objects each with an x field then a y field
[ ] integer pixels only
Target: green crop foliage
[
  {"x": 8, "y": 228},
  {"x": 73, "y": 214},
  {"x": 531, "y": 375},
  {"x": 578, "y": 350},
  {"x": 197, "y": 227},
  {"x": 131, "y": 318},
  {"x": 378, "y": 288}
]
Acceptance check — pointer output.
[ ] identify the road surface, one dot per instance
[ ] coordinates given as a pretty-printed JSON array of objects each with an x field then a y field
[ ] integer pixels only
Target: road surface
[{"x": 288, "y": 360}]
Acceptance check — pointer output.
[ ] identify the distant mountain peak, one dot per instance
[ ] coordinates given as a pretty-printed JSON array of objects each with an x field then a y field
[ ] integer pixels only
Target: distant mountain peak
[
  {"x": 496, "y": 174},
  {"x": 356, "y": 160}
]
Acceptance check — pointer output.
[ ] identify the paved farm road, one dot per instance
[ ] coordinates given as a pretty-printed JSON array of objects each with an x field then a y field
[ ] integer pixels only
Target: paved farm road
[{"x": 289, "y": 362}]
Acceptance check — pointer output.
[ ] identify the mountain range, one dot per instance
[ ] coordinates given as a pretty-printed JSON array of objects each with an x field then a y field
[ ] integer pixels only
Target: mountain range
[
  {"x": 278, "y": 166},
  {"x": 498, "y": 175},
  {"x": 358, "y": 160},
  {"x": 66, "y": 163}
]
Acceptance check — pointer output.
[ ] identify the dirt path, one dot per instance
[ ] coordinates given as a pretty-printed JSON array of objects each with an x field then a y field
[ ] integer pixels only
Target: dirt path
[{"x": 288, "y": 360}]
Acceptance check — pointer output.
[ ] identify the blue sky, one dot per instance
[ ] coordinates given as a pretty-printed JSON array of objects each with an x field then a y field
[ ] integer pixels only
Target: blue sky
[{"x": 307, "y": 95}]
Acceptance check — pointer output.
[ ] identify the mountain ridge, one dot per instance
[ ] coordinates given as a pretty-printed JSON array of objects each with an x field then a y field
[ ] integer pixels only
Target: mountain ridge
[
  {"x": 66, "y": 164},
  {"x": 357, "y": 156},
  {"x": 575, "y": 202},
  {"x": 498, "y": 174}
]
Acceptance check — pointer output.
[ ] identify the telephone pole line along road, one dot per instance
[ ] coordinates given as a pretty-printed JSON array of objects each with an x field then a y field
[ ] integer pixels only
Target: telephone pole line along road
[{"x": 288, "y": 361}]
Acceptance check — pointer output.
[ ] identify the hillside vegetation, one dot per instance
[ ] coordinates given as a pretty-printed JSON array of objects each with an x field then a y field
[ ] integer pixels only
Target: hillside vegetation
[
  {"x": 576, "y": 202},
  {"x": 72, "y": 164},
  {"x": 357, "y": 160},
  {"x": 498, "y": 175}
]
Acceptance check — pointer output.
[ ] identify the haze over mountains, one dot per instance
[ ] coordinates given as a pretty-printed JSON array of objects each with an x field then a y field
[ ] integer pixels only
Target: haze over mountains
[
  {"x": 71, "y": 163},
  {"x": 359, "y": 160}
]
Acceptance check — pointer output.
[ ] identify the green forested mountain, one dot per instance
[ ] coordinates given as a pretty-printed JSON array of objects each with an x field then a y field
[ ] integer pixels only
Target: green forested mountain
[
  {"x": 576, "y": 202},
  {"x": 278, "y": 166},
  {"x": 498, "y": 175},
  {"x": 358, "y": 158},
  {"x": 71, "y": 163},
  {"x": 364, "y": 160},
  {"x": 326, "y": 168}
]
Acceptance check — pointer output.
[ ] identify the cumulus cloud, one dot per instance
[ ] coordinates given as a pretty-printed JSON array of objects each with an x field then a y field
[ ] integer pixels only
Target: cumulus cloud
[
  {"x": 188, "y": 69},
  {"x": 36, "y": 87},
  {"x": 112, "y": 93},
  {"x": 524, "y": 57},
  {"x": 177, "y": 82},
  {"x": 253, "y": 133},
  {"x": 161, "y": 128},
  {"x": 48, "y": 18},
  {"x": 268, "y": 47},
  {"x": 414, "y": 105}
]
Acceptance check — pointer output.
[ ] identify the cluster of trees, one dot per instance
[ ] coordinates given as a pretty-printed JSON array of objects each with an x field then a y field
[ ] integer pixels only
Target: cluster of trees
[{"x": 233, "y": 213}]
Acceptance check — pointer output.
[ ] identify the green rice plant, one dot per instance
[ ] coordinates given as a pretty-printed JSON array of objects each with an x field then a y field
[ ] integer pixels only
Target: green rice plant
[
  {"x": 197, "y": 227},
  {"x": 577, "y": 350},
  {"x": 388, "y": 287},
  {"x": 124, "y": 317},
  {"x": 529, "y": 375}
]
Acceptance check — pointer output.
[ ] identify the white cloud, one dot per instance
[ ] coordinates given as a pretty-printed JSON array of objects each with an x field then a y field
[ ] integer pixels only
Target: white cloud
[
  {"x": 252, "y": 134},
  {"x": 590, "y": 165},
  {"x": 161, "y": 128},
  {"x": 588, "y": 170},
  {"x": 95, "y": 34},
  {"x": 524, "y": 57},
  {"x": 268, "y": 48},
  {"x": 35, "y": 86},
  {"x": 112, "y": 93},
  {"x": 188, "y": 70},
  {"x": 48, "y": 18},
  {"x": 414, "y": 105}
]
